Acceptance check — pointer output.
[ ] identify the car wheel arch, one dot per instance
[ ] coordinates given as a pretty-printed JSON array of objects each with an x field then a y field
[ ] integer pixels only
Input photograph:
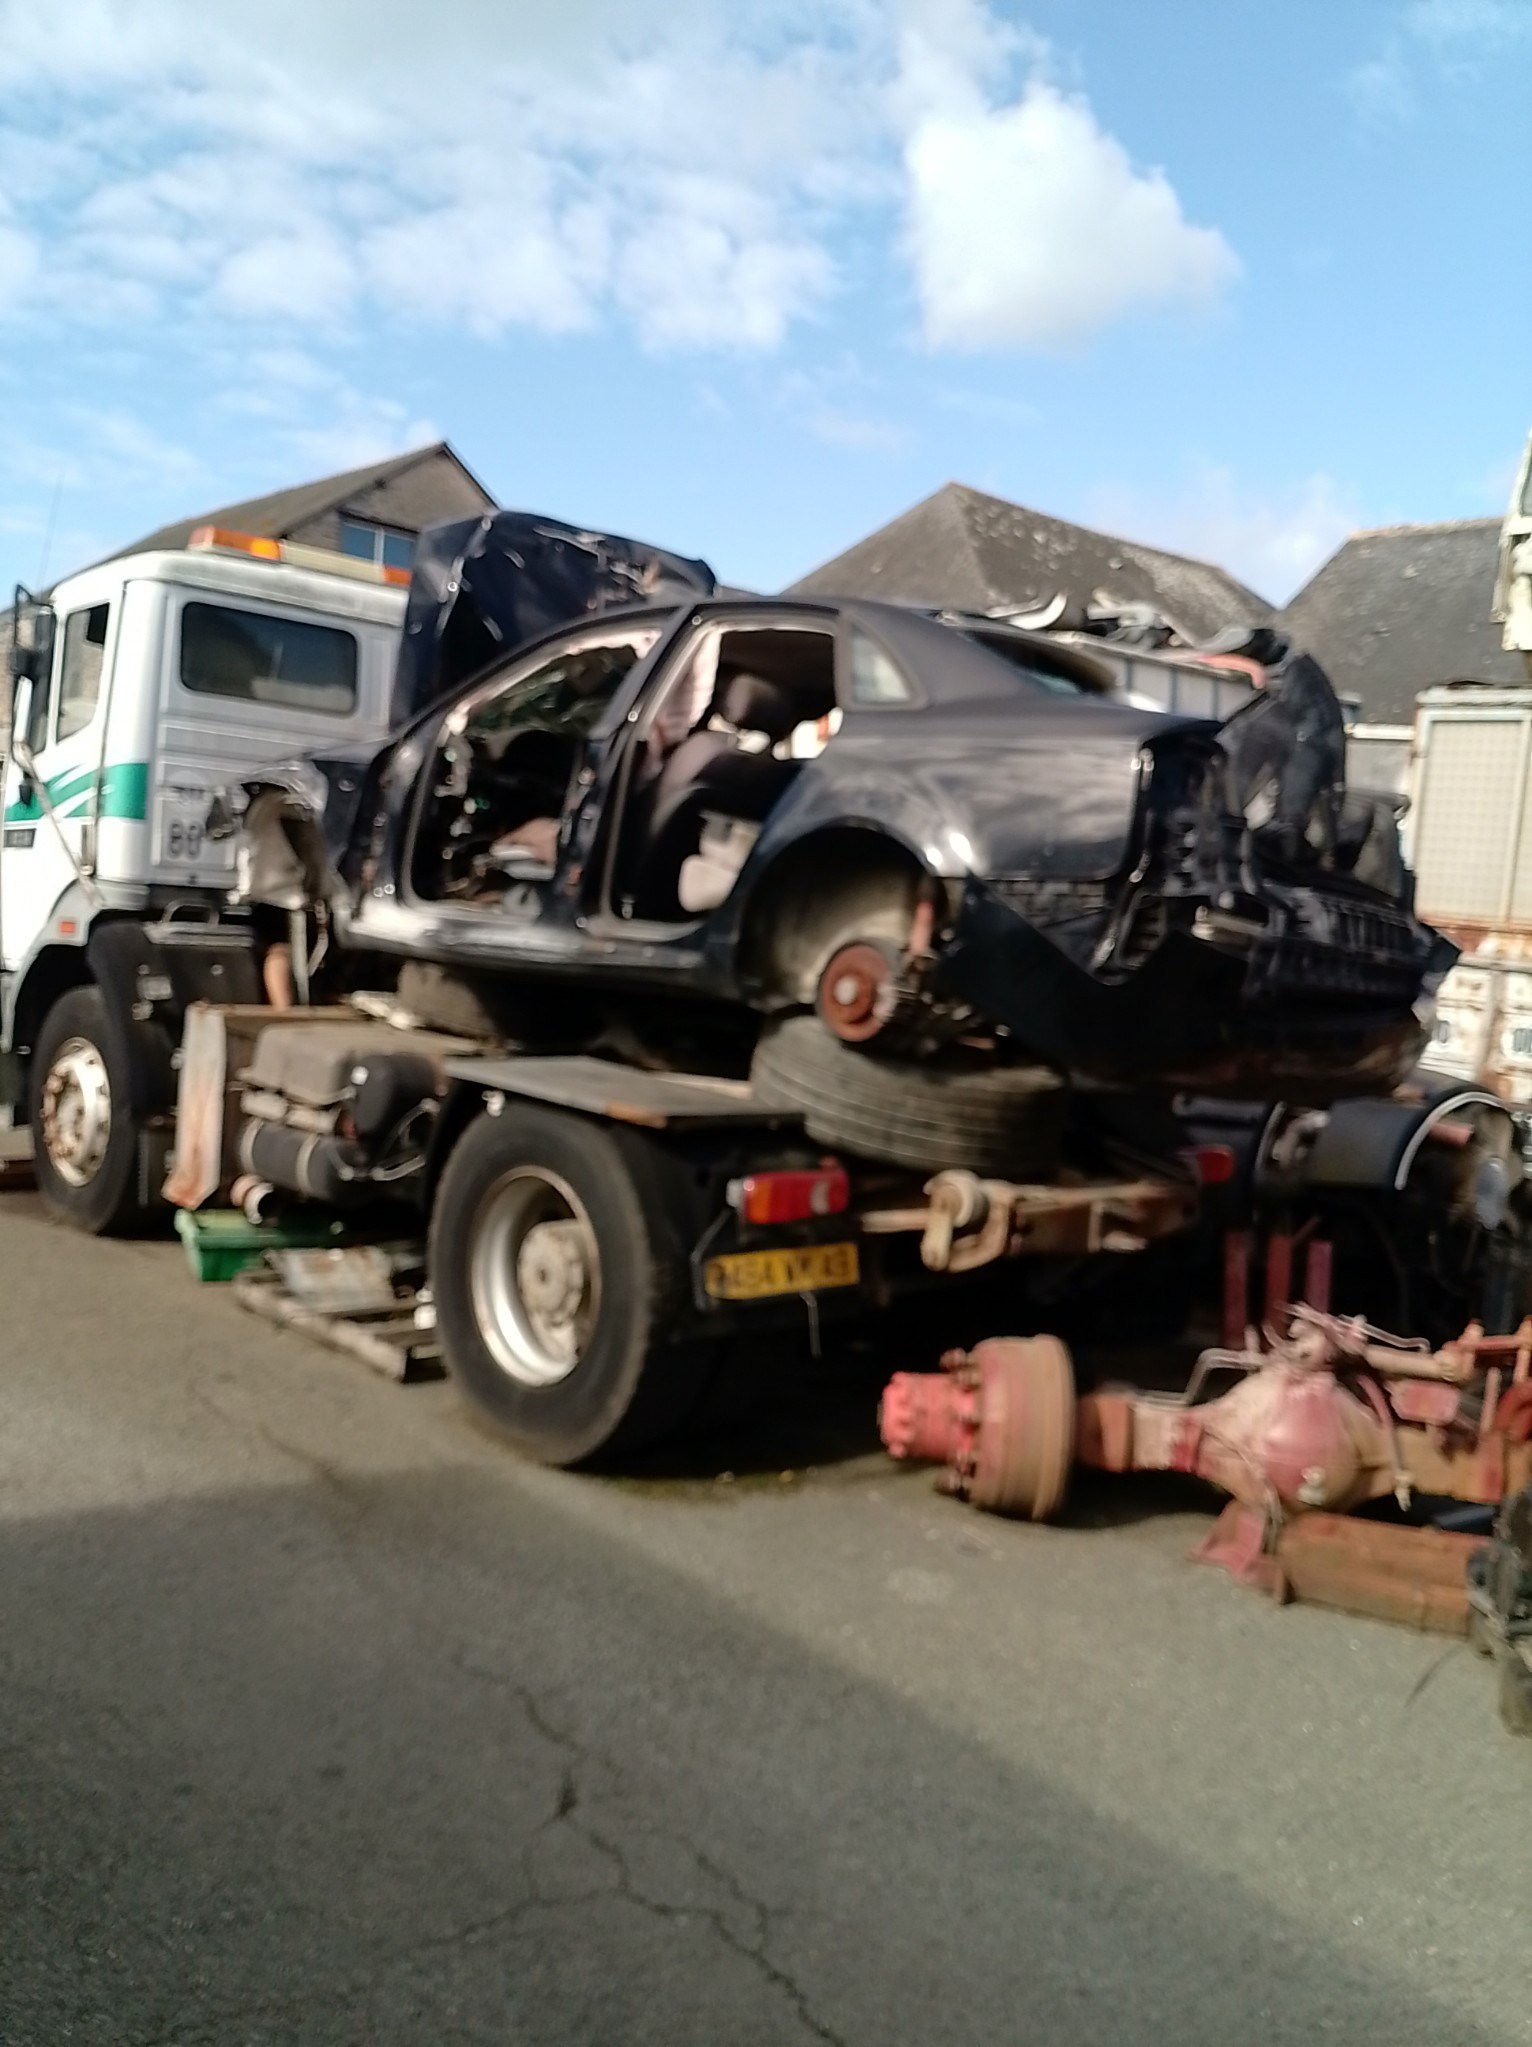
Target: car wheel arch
[{"x": 846, "y": 880}]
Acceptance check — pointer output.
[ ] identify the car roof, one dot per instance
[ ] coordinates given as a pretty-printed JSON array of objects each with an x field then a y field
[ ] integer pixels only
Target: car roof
[{"x": 945, "y": 652}]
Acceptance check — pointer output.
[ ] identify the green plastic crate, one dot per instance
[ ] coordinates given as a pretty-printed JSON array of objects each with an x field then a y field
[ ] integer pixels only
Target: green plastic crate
[{"x": 220, "y": 1243}]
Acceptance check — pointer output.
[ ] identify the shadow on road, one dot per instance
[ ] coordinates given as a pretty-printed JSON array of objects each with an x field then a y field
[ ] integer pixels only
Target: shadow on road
[
  {"x": 774, "y": 1411},
  {"x": 424, "y": 1758}
]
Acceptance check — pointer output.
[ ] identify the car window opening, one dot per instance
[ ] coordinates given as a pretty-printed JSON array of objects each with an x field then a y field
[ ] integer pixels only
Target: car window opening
[
  {"x": 504, "y": 769},
  {"x": 1061, "y": 677},
  {"x": 725, "y": 740}
]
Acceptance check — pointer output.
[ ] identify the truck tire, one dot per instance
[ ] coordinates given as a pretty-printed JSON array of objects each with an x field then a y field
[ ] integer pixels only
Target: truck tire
[
  {"x": 560, "y": 1265},
  {"x": 1004, "y": 1121},
  {"x": 85, "y": 1146}
]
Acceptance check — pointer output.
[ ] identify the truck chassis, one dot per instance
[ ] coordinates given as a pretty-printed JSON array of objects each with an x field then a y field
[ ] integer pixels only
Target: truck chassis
[{"x": 596, "y": 1233}]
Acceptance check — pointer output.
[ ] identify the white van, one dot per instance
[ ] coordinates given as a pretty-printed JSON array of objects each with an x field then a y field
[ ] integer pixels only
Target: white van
[{"x": 141, "y": 689}]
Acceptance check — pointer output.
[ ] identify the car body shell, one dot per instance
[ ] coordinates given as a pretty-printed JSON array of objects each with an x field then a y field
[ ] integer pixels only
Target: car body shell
[{"x": 1097, "y": 905}]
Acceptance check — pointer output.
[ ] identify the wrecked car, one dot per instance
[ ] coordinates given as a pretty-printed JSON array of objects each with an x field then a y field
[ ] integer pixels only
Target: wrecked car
[{"x": 861, "y": 845}]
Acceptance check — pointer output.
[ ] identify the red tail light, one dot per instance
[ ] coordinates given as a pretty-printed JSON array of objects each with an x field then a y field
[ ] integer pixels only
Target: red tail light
[
  {"x": 792, "y": 1196},
  {"x": 1213, "y": 1164}
]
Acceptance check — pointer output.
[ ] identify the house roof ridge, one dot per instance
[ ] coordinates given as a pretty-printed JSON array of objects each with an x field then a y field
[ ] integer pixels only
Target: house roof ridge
[
  {"x": 1172, "y": 554},
  {"x": 273, "y": 510},
  {"x": 1421, "y": 526}
]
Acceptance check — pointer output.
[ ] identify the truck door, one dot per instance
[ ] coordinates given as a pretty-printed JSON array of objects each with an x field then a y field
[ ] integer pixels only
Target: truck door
[{"x": 50, "y": 815}]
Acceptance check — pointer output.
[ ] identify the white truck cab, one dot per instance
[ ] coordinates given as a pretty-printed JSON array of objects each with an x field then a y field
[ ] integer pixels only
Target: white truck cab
[
  {"x": 143, "y": 688},
  {"x": 1512, "y": 607}
]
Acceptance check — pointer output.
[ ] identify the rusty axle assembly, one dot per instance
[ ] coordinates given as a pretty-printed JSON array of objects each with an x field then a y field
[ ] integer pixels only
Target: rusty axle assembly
[{"x": 1325, "y": 1415}]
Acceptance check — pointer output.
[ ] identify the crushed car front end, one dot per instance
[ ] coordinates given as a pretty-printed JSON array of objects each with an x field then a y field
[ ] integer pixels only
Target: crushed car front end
[{"x": 1208, "y": 960}]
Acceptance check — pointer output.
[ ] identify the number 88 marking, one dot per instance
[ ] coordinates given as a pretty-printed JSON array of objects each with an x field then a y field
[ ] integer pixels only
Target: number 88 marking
[{"x": 183, "y": 840}]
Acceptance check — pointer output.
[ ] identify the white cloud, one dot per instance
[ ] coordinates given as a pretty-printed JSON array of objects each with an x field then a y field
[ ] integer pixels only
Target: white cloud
[
  {"x": 467, "y": 255},
  {"x": 55, "y": 488},
  {"x": 1272, "y": 538},
  {"x": 694, "y": 171},
  {"x": 289, "y": 370},
  {"x": 1382, "y": 90},
  {"x": 20, "y": 264},
  {"x": 515, "y": 172},
  {"x": 364, "y": 430},
  {"x": 306, "y": 275},
  {"x": 707, "y": 270},
  {"x": 996, "y": 411},
  {"x": 311, "y": 418},
  {"x": 858, "y": 431},
  {"x": 1029, "y": 226},
  {"x": 134, "y": 450},
  {"x": 1431, "y": 41},
  {"x": 1482, "y": 22}
]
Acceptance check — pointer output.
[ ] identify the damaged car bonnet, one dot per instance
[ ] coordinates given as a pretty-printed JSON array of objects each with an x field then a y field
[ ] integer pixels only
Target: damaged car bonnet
[{"x": 481, "y": 588}]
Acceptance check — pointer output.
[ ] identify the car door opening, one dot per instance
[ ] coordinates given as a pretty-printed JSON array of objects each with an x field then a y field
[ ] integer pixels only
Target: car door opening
[
  {"x": 727, "y": 737},
  {"x": 505, "y": 768}
]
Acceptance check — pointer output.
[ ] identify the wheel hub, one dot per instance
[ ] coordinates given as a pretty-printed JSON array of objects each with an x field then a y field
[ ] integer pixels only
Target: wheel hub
[
  {"x": 535, "y": 1276},
  {"x": 858, "y": 992},
  {"x": 550, "y": 1270},
  {"x": 77, "y": 1112}
]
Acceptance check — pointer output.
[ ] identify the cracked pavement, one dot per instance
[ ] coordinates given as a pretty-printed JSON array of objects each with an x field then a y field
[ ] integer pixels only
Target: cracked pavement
[{"x": 325, "y": 1720}]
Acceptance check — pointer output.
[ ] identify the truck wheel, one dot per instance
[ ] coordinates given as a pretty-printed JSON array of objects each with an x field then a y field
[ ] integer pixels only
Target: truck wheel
[
  {"x": 1006, "y": 1121},
  {"x": 560, "y": 1264},
  {"x": 85, "y": 1146}
]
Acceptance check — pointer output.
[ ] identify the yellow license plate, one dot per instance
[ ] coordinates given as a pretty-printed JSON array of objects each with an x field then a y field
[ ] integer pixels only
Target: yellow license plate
[{"x": 806, "y": 1269}]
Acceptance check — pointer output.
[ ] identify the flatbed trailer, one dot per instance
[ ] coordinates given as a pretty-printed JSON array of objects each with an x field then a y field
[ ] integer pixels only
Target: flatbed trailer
[{"x": 594, "y": 1232}]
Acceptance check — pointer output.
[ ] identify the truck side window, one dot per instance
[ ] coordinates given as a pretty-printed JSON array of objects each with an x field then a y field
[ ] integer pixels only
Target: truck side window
[
  {"x": 261, "y": 659},
  {"x": 80, "y": 672}
]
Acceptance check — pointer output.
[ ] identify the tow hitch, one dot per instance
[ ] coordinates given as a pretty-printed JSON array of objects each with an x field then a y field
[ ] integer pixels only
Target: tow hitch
[{"x": 967, "y": 1222}]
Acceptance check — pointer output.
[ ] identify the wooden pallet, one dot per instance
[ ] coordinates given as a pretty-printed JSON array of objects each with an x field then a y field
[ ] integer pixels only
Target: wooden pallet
[{"x": 356, "y": 1300}]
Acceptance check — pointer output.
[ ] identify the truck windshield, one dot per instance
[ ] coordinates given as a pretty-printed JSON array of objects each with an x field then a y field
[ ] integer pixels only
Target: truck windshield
[{"x": 262, "y": 659}]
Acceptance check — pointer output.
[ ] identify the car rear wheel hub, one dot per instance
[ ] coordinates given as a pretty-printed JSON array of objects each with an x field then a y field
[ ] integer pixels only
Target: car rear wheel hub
[
  {"x": 535, "y": 1275},
  {"x": 77, "y": 1112},
  {"x": 858, "y": 991}
]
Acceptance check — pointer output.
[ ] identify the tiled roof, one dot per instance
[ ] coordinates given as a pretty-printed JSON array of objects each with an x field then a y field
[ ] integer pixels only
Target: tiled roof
[
  {"x": 965, "y": 549},
  {"x": 282, "y": 510},
  {"x": 1400, "y": 608}
]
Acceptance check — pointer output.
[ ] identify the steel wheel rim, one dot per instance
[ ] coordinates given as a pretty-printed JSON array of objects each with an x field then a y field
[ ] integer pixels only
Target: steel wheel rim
[
  {"x": 77, "y": 1112},
  {"x": 534, "y": 1275}
]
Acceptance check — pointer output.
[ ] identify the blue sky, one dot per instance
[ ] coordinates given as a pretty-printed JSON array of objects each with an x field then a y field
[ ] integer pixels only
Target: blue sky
[{"x": 748, "y": 277}]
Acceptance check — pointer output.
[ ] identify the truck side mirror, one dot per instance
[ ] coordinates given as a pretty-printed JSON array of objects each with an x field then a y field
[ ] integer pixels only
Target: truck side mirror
[
  {"x": 32, "y": 639},
  {"x": 33, "y": 625}
]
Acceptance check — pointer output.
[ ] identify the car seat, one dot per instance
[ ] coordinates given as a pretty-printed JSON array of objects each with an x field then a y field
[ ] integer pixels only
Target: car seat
[{"x": 712, "y": 774}]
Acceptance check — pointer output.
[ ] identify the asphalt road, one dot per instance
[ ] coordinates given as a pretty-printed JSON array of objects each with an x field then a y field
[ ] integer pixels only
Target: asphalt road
[{"x": 325, "y": 1720}]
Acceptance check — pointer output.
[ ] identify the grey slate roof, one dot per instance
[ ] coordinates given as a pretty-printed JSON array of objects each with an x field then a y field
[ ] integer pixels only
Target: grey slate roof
[
  {"x": 282, "y": 511},
  {"x": 1395, "y": 610},
  {"x": 964, "y": 549}
]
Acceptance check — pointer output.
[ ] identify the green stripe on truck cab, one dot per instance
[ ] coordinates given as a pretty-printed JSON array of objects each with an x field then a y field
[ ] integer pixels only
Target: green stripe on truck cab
[{"x": 124, "y": 794}]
